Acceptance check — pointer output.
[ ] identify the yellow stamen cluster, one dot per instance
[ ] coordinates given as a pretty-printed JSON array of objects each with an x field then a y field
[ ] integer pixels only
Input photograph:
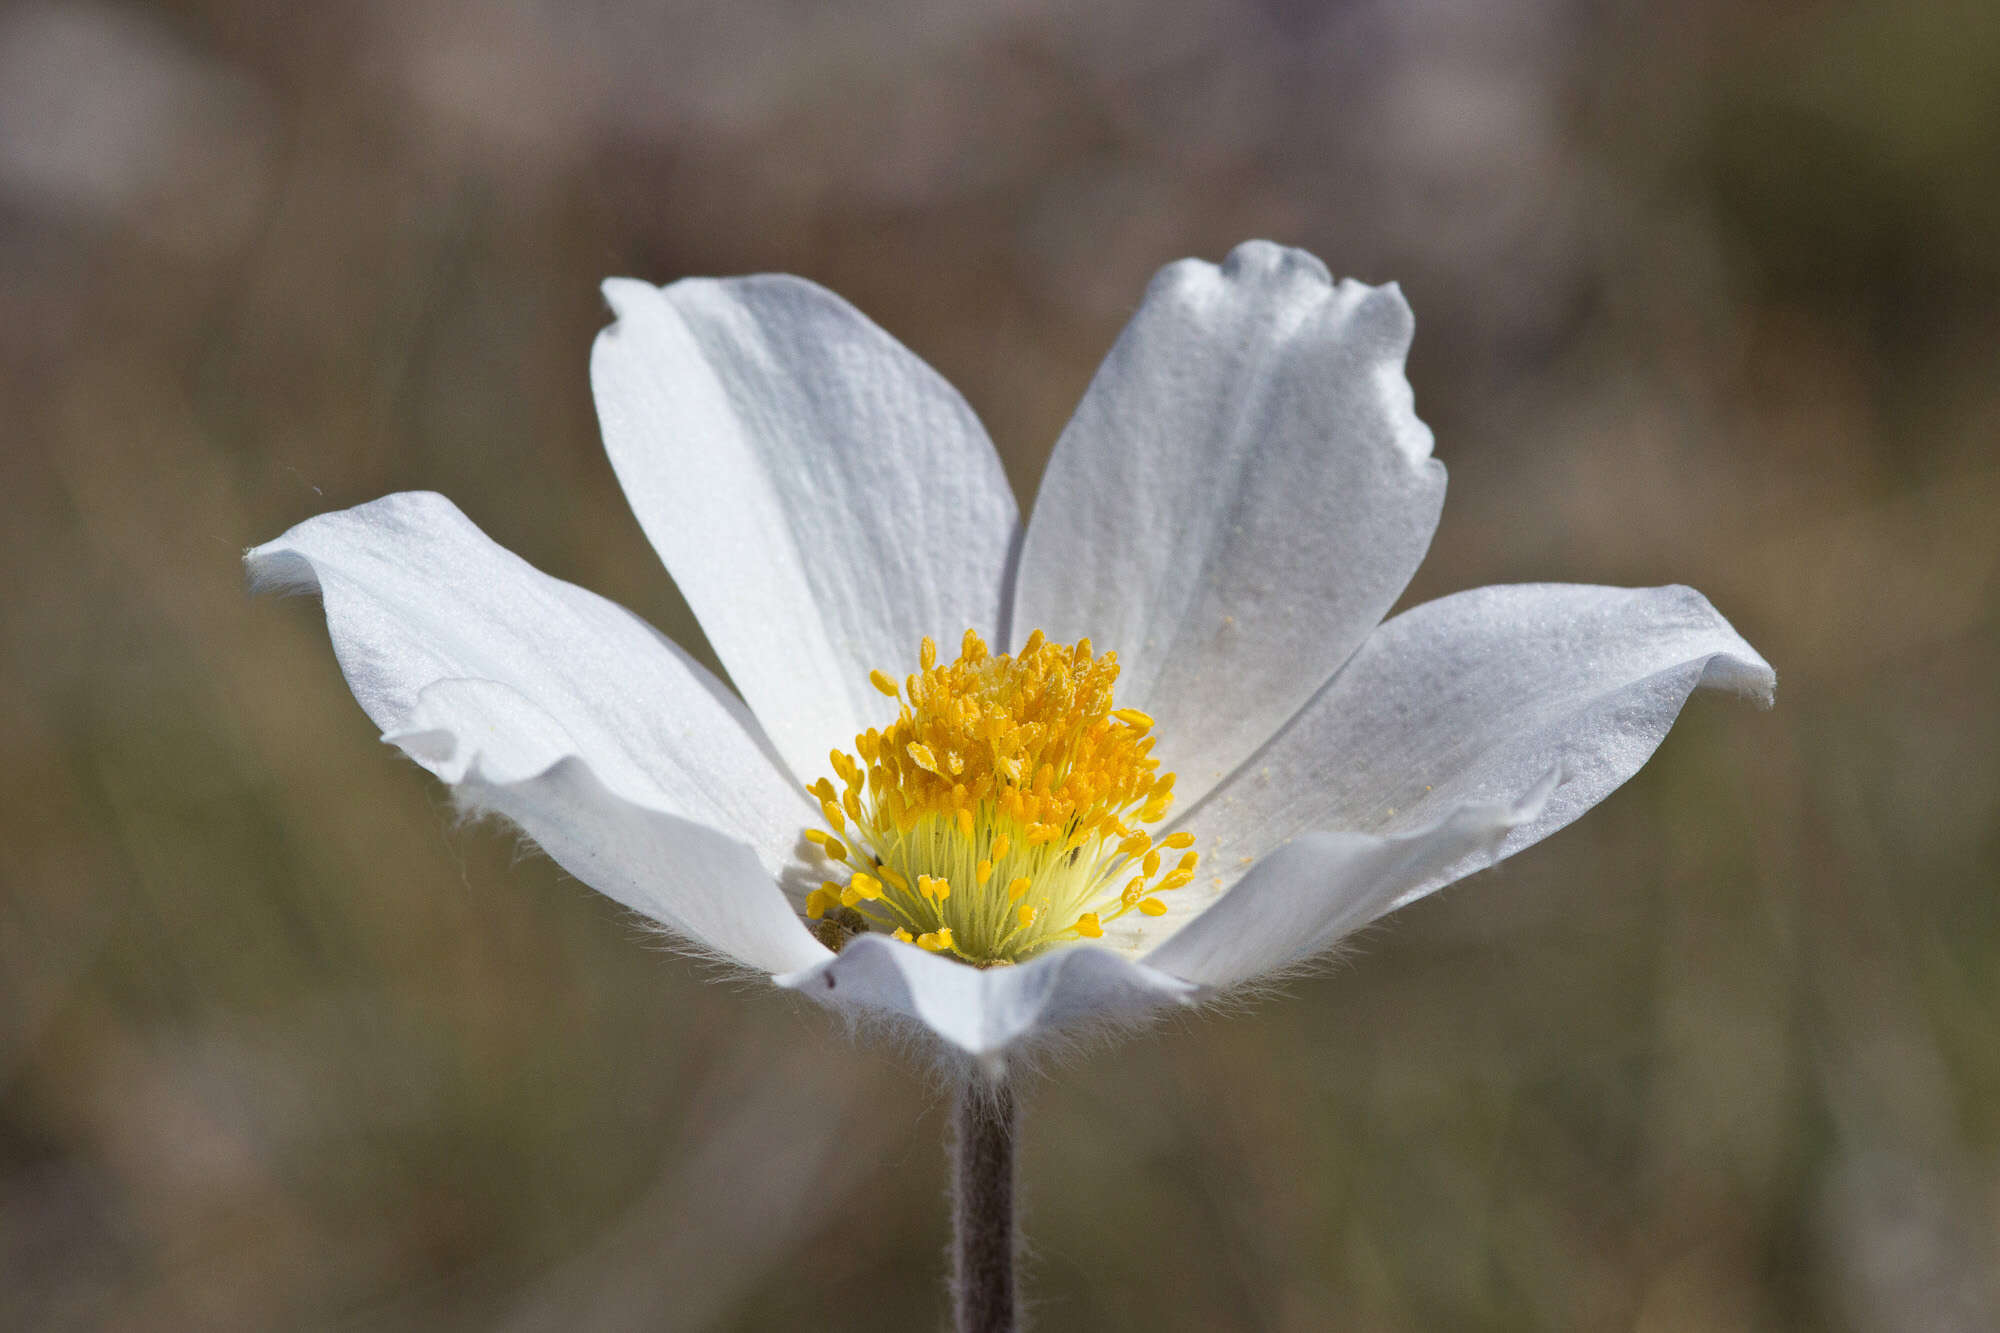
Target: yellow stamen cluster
[{"x": 998, "y": 815}]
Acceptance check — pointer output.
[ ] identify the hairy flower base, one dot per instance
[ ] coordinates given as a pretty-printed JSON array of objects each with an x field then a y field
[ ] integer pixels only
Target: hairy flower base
[{"x": 998, "y": 816}]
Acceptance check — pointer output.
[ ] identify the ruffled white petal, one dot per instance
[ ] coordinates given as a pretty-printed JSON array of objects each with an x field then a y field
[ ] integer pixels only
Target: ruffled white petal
[
  {"x": 1242, "y": 494},
  {"x": 820, "y": 495},
  {"x": 1301, "y": 899},
  {"x": 464, "y": 655},
  {"x": 1469, "y": 700},
  {"x": 706, "y": 888},
  {"x": 983, "y": 1012}
]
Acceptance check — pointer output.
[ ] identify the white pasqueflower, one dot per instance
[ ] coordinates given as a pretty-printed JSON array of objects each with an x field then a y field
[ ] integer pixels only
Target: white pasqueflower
[{"x": 986, "y": 839}]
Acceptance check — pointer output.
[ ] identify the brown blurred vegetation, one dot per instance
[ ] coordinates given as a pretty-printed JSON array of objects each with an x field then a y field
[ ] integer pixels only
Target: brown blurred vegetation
[{"x": 1705, "y": 293}]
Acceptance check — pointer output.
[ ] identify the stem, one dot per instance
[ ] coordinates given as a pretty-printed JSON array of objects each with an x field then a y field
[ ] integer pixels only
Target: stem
[{"x": 983, "y": 1207}]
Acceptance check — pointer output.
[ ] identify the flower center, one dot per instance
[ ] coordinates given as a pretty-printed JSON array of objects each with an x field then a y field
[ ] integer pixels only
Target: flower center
[{"x": 998, "y": 816}]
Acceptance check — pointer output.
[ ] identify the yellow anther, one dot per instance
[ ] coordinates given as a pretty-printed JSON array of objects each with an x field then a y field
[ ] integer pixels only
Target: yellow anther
[
  {"x": 1189, "y": 861},
  {"x": 822, "y": 900},
  {"x": 1175, "y": 881},
  {"x": 900, "y": 934},
  {"x": 1006, "y": 777},
  {"x": 1153, "y": 907},
  {"x": 818, "y": 837}
]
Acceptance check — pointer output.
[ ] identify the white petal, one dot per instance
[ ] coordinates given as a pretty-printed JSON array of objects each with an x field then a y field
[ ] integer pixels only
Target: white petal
[
  {"x": 821, "y": 496},
  {"x": 1242, "y": 494},
  {"x": 984, "y": 1011},
  {"x": 1470, "y": 699},
  {"x": 1301, "y": 899},
  {"x": 417, "y": 596},
  {"x": 706, "y": 888}
]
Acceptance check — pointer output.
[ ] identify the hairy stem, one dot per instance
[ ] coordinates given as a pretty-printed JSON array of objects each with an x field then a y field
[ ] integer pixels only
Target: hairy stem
[{"x": 983, "y": 1208}]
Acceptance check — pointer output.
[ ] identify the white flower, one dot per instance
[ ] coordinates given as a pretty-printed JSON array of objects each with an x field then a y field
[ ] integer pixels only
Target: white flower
[{"x": 1241, "y": 496}]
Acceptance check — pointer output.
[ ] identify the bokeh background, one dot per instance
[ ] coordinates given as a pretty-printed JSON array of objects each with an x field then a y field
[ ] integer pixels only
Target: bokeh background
[{"x": 1706, "y": 292}]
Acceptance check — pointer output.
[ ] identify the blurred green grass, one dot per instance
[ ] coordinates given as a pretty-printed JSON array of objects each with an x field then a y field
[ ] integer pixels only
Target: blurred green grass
[{"x": 1704, "y": 295}]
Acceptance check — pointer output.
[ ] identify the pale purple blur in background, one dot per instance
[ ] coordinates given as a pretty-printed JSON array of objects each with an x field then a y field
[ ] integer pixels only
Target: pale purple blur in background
[{"x": 1705, "y": 293}]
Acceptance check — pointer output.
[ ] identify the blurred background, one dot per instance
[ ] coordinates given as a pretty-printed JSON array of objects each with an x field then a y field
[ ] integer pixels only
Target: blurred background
[{"x": 1705, "y": 292}]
